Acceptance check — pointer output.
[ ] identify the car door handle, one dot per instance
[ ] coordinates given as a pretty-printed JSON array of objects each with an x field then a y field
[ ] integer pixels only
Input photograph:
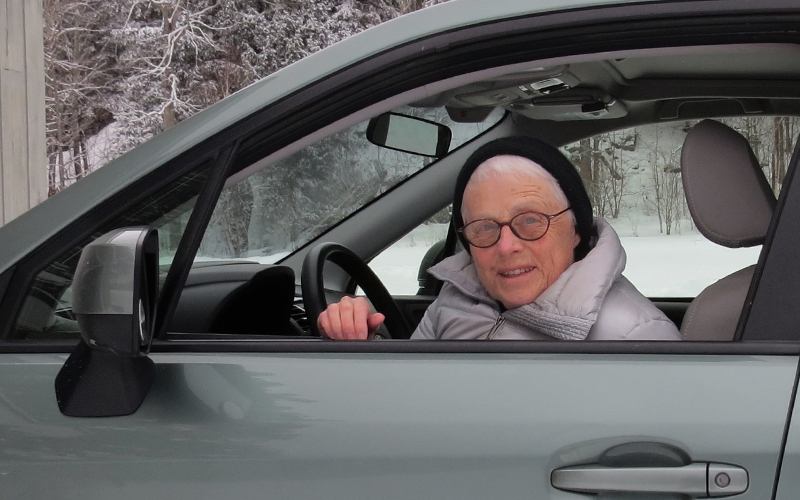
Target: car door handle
[{"x": 698, "y": 479}]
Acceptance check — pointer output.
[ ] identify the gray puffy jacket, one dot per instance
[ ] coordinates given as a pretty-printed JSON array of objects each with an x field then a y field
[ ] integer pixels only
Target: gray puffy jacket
[{"x": 591, "y": 300}]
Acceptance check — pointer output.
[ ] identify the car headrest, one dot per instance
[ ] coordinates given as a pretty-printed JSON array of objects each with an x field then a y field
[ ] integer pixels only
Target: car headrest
[{"x": 728, "y": 195}]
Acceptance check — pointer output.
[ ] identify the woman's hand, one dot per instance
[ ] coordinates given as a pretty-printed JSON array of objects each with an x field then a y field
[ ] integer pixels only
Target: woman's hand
[{"x": 349, "y": 319}]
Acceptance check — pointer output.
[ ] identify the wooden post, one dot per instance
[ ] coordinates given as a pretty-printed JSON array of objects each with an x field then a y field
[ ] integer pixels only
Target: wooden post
[{"x": 23, "y": 159}]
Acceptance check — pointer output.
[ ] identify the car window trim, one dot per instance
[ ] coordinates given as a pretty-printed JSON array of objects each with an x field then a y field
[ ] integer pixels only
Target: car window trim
[
  {"x": 191, "y": 238},
  {"x": 5, "y": 279},
  {"x": 482, "y": 347},
  {"x": 777, "y": 273},
  {"x": 455, "y": 347}
]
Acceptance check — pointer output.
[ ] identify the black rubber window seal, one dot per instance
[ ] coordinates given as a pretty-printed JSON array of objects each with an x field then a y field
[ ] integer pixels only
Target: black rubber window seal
[{"x": 191, "y": 239}]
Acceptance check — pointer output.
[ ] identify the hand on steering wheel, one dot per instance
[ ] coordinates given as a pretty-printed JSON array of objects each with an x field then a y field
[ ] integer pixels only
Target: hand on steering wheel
[
  {"x": 349, "y": 319},
  {"x": 314, "y": 290}
]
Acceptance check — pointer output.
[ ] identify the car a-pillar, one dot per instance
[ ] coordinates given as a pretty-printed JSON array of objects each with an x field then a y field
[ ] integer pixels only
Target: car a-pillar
[{"x": 114, "y": 298}]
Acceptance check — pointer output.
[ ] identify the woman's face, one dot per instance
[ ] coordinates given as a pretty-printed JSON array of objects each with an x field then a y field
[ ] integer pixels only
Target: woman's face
[{"x": 514, "y": 271}]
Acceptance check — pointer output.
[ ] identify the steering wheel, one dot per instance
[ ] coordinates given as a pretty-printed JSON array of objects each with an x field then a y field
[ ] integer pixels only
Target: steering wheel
[{"x": 314, "y": 290}]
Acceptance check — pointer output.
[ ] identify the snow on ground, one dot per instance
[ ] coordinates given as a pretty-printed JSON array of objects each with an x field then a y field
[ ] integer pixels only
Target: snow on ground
[
  {"x": 678, "y": 265},
  {"x": 100, "y": 147}
]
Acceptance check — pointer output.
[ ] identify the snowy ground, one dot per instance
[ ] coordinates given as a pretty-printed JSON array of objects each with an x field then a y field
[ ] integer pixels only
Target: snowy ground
[{"x": 679, "y": 265}]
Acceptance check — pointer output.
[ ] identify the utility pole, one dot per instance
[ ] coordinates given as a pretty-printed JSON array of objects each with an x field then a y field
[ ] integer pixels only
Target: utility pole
[{"x": 23, "y": 159}]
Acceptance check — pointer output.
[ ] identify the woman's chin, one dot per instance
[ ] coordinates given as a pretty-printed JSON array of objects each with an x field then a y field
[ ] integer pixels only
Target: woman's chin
[{"x": 516, "y": 298}]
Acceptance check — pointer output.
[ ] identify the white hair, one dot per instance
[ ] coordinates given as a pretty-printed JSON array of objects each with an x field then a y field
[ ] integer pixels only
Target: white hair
[{"x": 520, "y": 168}]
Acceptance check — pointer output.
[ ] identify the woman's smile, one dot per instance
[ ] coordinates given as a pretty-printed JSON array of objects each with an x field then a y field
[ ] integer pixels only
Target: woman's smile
[{"x": 516, "y": 273}]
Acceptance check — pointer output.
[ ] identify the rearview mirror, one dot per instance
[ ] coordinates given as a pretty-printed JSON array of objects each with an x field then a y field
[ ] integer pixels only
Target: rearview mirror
[
  {"x": 114, "y": 298},
  {"x": 409, "y": 134}
]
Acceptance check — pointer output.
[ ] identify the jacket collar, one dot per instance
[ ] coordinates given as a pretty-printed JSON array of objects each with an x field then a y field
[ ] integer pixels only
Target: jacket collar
[{"x": 576, "y": 295}]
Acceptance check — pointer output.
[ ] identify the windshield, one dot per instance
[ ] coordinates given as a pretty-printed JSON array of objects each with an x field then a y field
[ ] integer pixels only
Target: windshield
[{"x": 283, "y": 206}]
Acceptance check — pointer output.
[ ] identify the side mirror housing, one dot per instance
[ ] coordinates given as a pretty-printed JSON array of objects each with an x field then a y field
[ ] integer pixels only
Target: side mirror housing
[
  {"x": 114, "y": 299},
  {"x": 410, "y": 134},
  {"x": 114, "y": 291}
]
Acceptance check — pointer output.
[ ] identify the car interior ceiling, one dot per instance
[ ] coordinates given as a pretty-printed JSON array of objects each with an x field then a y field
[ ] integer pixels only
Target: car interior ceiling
[{"x": 557, "y": 102}]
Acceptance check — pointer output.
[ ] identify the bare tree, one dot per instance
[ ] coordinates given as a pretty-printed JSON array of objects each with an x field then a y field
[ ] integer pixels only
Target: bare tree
[
  {"x": 603, "y": 169},
  {"x": 75, "y": 76},
  {"x": 666, "y": 188},
  {"x": 613, "y": 186},
  {"x": 782, "y": 146},
  {"x": 183, "y": 33},
  {"x": 145, "y": 65},
  {"x": 772, "y": 143}
]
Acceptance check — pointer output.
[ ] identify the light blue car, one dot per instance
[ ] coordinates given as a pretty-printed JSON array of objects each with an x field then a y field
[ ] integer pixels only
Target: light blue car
[{"x": 157, "y": 341}]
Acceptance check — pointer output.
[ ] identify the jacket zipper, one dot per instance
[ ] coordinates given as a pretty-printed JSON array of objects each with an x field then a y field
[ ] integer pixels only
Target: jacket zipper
[{"x": 497, "y": 325}]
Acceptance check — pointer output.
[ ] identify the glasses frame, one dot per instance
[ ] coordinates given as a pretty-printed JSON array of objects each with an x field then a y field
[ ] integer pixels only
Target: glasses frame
[{"x": 508, "y": 223}]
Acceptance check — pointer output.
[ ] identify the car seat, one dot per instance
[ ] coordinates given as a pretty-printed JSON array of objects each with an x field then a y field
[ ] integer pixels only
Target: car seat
[{"x": 731, "y": 204}]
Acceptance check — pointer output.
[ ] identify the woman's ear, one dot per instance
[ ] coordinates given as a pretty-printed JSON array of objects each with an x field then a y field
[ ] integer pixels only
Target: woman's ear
[{"x": 576, "y": 240}]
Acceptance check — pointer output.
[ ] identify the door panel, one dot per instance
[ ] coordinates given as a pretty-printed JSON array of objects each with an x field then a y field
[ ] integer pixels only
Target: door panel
[{"x": 387, "y": 425}]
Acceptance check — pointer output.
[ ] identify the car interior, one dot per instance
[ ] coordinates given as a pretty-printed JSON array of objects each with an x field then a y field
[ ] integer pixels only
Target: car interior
[{"x": 560, "y": 101}]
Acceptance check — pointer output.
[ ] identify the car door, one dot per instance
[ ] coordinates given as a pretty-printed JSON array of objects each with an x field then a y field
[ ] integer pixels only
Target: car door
[
  {"x": 395, "y": 424},
  {"x": 294, "y": 419},
  {"x": 237, "y": 418}
]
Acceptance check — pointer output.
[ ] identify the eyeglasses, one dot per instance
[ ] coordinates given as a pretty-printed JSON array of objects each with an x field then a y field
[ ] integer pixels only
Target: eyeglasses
[{"x": 528, "y": 226}]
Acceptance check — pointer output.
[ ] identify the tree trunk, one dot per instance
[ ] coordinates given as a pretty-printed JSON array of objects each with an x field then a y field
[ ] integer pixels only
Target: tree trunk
[
  {"x": 168, "y": 117},
  {"x": 76, "y": 159}
]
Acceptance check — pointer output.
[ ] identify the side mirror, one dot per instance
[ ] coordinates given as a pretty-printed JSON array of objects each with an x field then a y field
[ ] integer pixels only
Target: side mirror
[
  {"x": 409, "y": 134},
  {"x": 114, "y": 299}
]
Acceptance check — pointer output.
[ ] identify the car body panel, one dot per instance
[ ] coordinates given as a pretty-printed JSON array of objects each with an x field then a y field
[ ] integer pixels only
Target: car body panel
[
  {"x": 372, "y": 422},
  {"x": 387, "y": 425}
]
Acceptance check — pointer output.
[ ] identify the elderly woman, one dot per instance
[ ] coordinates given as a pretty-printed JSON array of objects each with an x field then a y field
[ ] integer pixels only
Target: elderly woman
[{"x": 536, "y": 266}]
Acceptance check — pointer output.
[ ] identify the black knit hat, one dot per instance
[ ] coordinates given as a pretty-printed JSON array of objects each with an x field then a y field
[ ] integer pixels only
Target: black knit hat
[{"x": 552, "y": 160}]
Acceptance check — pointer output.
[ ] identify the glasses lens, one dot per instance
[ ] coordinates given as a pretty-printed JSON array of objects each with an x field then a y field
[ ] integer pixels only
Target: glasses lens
[
  {"x": 482, "y": 233},
  {"x": 530, "y": 225},
  {"x": 527, "y": 225}
]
